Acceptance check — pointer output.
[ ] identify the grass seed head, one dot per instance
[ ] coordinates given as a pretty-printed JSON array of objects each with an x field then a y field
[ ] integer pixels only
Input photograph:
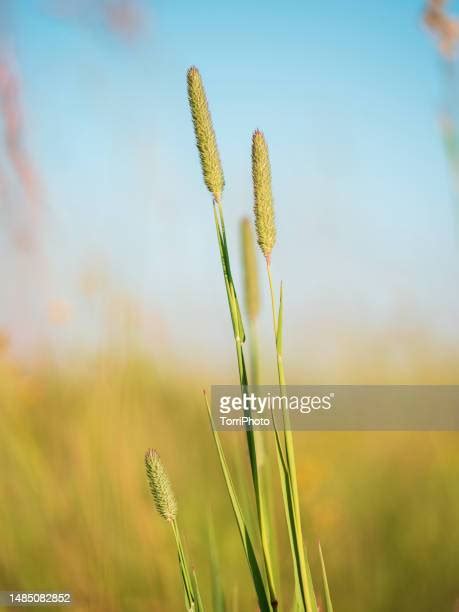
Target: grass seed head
[
  {"x": 205, "y": 135},
  {"x": 160, "y": 486},
  {"x": 262, "y": 193},
  {"x": 252, "y": 292}
]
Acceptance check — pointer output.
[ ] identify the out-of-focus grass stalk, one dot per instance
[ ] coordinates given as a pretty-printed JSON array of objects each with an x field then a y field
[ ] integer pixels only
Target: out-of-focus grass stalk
[
  {"x": 164, "y": 500},
  {"x": 251, "y": 296},
  {"x": 218, "y": 595},
  {"x": 213, "y": 178},
  {"x": 328, "y": 601},
  {"x": 266, "y": 235}
]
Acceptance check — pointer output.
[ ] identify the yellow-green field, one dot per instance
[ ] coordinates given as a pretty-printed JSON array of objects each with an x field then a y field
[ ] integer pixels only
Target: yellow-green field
[{"x": 76, "y": 515}]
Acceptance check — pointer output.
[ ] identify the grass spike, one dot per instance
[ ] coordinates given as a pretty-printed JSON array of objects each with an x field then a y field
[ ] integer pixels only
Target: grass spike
[
  {"x": 205, "y": 135},
  {"x": 160, "y": 486},
  {"x": 262, "y": 193}
]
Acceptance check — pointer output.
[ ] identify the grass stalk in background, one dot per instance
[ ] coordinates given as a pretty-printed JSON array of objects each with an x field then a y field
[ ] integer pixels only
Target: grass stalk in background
[
  {"x": 218, "y": 595},
  {"x": 252, "y": 296},
  {"x": 328, "y": 601},
  {"x": 164, "y": 500}
]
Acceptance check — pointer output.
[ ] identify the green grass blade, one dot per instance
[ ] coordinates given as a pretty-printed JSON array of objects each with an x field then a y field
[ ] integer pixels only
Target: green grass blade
[
  {"x": 218, "y": 595},
  {"x": 287, "y": 469},
  {"x": 239, "y": 326},
  {"x": 197, "y": 593},
  {"x": 226, "y": 271},
  {"x": 288, "y": 506},
  {"x": 328, "y": 601},
  {"x": 257, "y": 576}
]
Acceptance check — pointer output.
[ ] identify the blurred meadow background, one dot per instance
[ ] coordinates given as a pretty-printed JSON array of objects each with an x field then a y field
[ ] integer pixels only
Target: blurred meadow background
[{"x": 112, "y": 305}]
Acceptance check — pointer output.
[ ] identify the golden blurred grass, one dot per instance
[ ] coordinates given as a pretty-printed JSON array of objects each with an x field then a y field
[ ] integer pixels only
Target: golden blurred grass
[{"x": 76, "y": 515}]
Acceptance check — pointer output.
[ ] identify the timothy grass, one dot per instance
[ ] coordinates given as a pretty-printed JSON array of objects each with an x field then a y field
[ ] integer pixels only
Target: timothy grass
[
  {"x": 301, "y": 595},
  {"x": 160, "y": 486},
  {"x": 262, "y": 195},
  {"x": 166, "y": 506},
  {"x": 263, "y": 577},
  {"x": 76, "y": 513},
  {"x": 305, "y": 598},
  {"x": 210, "y": 160}
]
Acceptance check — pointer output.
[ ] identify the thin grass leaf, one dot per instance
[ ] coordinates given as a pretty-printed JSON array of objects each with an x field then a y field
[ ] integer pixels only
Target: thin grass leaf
[
  {"x": 227, "y": 266},
  {"x": 289, "y": 515},
  {"x": 218, "y": 595},
  {"x": 257, "y": 576},
  {"x": 328, "y": 601},
  {"x": 197, "y": 593},
  {"x": 235, "y": 312},
  {"x": 287, "y": 469}
]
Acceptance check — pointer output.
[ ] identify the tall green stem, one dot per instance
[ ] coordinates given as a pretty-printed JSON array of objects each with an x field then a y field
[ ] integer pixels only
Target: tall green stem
[
  {"x": 190, "y": 597},
  {"x": 252, "y": 438},
  {"x": 291, "y": 497}
]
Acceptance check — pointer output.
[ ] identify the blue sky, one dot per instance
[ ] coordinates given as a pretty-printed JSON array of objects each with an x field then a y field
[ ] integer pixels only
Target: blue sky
[{"x": 348, "y": 95}]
